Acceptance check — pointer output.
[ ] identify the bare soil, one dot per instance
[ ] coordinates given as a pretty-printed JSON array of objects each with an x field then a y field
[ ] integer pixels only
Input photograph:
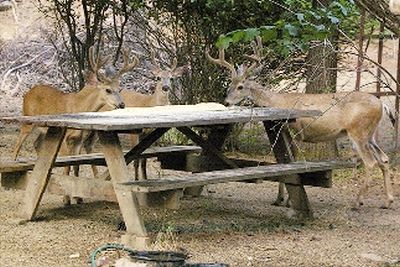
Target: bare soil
[{"x": 231, "y": 223}]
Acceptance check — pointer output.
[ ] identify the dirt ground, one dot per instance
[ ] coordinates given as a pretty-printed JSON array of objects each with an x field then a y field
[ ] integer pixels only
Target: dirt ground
[{"x": 230, "y": 223}]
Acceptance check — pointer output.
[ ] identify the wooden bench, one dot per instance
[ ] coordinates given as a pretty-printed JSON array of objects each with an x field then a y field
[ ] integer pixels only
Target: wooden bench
[
  {"x": 296, "y": 173},
  {"x": 15, "y": 174},
  {"x": 96, "y": 158}
]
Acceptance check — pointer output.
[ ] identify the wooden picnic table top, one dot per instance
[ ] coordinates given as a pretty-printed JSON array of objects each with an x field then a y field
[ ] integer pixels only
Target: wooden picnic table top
[{"x": 161, "y": 117}]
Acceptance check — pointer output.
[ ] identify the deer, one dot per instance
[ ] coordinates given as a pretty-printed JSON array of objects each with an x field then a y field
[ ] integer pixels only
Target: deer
[
  {"x": 355, "y": 114},
  {"x": 98, "y": 92},
  {"x": 160, "y": 97}
]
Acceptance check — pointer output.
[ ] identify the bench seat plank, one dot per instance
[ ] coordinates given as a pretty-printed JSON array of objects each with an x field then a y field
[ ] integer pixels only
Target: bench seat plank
[
  {"x": 233, "y": 175},
  {"x": 94, "y": 158}
]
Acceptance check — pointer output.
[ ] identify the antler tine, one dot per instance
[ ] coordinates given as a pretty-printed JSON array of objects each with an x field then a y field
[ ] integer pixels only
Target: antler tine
[
  {"x": 174, "y": 64},
  {"x": 153, "y": 59},
  {"x": 256, "y": 57},
  {"x": 128, "y": 66},
  {"x": 221, "y": 60},
  {"x": 96, "y": 63}
]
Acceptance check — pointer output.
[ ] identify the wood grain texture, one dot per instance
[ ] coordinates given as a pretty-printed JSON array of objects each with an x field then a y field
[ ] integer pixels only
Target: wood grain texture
[
  {"x": 95, "y": 158},
  {"x": 115, "y": 122},
  {"x": 234, "y": 175}
]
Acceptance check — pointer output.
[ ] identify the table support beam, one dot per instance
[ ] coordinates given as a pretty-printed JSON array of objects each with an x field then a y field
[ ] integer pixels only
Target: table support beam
[
  {"x": 41, "y": 172},
  {"x": 145, "y": 143},
  {"x": 136, "y": 235},
  {"x": 282, "y": 146}
]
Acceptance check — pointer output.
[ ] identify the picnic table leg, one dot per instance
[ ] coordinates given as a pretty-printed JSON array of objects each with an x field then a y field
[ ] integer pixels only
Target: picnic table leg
[
  {"x": 282, "y": 146},
  {"x": 136, "y": 235},
  {"x": 211, "y": 153},
  {"x": 40, "y": 175}
]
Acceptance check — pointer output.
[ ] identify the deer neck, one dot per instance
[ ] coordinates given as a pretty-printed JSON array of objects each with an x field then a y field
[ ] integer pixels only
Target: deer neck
[{"x": 88, "y": 99}]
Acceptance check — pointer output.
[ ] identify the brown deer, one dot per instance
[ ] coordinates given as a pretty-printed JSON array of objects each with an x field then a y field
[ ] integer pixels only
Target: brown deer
[
  {"x": 160, "y": 97},
  {"x": 95, "y": 95},
  {"x": 354, "y": 114}
]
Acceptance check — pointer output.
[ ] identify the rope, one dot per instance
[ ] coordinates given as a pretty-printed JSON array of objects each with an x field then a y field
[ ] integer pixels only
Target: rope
[{"x": 108, "y": 247}]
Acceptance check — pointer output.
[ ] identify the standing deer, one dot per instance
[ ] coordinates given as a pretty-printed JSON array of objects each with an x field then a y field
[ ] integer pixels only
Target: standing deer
[
  {"x": 46, "y": 100},
  {"x": 160, "y": 97},
  {"x": 354, "y": 114}
]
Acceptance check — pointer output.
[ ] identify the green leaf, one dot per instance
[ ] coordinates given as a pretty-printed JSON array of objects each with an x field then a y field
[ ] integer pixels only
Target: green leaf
[
  {"x": 292, "y": 30},
  {"x": 334, "y": 20},
  {"x": 223, "y": 41},
  {"x": 251, "y": 33},
  {"x": 268, "y": 33}
]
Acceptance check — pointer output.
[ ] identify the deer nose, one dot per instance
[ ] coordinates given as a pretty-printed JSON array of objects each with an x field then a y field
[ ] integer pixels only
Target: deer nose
[
  {"x": 122, "y": 105},
  {"x": 165, "y": 88}
]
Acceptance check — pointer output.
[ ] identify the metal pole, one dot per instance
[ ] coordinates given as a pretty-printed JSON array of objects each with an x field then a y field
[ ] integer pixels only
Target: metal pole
[
  {"x": 397, "y": 103},
  {"x": 360, "y": 50},
  {"x": 380, "y": 55}
]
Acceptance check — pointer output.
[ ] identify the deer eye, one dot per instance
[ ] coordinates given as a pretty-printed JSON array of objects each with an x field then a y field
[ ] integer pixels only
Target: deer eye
[
  {"x": 240, "y": 87},
  {"x": 108, "y": 91},
  {"x": 158, "y": 78}
]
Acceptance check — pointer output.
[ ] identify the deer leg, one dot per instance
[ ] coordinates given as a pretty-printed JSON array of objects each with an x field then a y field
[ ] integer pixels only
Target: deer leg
[
  {"x": 280, "y": 199},
  {"x": 23, "y": 134},
  {"x": 383, "y": 163},
  {"x": 143, "y": 165},
  {"x": 366, "y": 153},
  {"x": 88, "y": 144},
  {"x": 136, "y": 166}
]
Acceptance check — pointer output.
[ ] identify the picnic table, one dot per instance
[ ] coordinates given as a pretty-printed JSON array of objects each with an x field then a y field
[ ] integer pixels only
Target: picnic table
[{"x": 217, "y": 118}]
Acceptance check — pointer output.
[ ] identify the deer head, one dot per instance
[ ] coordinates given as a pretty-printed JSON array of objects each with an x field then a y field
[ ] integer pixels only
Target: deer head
[
  {"x": 164, "y": 77},
  {"x": 239, "y": 89},
  {"x": 108, "y": 85}
]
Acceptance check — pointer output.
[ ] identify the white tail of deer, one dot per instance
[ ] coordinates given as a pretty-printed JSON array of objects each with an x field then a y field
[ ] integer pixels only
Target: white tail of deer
[
  {"x": 354, "y": 114},
  {"x": 394, "y": 6}
]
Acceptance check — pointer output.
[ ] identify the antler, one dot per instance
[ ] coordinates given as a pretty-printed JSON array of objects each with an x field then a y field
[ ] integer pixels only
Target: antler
[
  {"x": 256, "y": 57},
  {"x": 128, "y": 66},
  {"x": 156, "y": 65},
  {"x": 221, "y": 61},
  {"x": 96, "y": 63}
]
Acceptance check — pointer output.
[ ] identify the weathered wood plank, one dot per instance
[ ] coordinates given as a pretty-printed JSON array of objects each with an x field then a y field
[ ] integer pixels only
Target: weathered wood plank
[
  {"x": 41, "y": 172},
  {"x": 233, "y": 175},
  {"x": 113, "y": 122},
  {"x": 136, "y": 235},
  {"x": 96, "y": 158}
]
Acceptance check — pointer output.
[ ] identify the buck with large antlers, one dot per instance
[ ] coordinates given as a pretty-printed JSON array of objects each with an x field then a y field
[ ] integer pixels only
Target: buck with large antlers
[
  {"x": 160, "y": 97},
  {"x": 354, "y": 114},
  {"x": 46, "y": 100}
]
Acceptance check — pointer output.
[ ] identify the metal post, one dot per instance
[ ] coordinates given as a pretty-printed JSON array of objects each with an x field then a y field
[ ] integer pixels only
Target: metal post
[{"x": 360, "y": 50}]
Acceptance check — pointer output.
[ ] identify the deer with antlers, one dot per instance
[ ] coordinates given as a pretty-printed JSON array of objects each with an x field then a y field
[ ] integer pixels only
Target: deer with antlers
[
  {"x": 354, "y": 114},
  {"x": 99, "y": 92},
  {"x": 160, "y": 97}
]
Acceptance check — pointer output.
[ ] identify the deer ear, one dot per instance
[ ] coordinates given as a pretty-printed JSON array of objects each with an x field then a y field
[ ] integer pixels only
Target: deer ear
[
  {"x": 91, "y": 78},
  {"x": 181, "y": 70}
]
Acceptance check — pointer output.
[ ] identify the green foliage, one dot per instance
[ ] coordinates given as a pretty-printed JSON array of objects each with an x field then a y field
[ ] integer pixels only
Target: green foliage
[{"x": 294, "y": 30}]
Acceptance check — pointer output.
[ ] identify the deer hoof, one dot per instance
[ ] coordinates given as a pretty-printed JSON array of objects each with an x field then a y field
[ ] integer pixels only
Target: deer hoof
[
  {"x": 66, "y": 200},
  {"x": 77, "y": 200},
  {"x": 279, "y": 201}
]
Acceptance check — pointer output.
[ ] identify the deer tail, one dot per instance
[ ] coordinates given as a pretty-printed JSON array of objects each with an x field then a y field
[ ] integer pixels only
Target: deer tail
[{"x": 390, "y": 114}]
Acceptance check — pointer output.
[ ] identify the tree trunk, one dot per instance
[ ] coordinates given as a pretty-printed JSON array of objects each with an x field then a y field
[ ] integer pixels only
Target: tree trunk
[{"x": 321, "y": 75}]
